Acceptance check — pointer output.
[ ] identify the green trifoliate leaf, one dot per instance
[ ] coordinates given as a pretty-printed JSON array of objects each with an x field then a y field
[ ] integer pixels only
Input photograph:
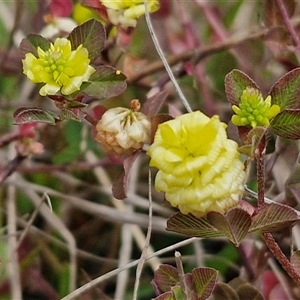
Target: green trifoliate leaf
[
  {"x": 235, "y": 83},
  {"x": 287, "y": 124},
  {"x": 286, "y": 91}
]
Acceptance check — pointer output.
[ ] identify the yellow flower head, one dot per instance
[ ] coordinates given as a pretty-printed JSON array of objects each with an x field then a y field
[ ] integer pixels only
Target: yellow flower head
[
  {"x": 253, "y": 110},
  {"x": 122, "y": 131},
  {"x": 199, "y": 167},
  {"x": 126, "y": 12},
  {"x": 60, "y": 68}
]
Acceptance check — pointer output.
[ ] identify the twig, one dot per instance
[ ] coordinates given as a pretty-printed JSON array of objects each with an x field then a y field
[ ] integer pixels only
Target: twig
[
  {"x": 196, "y": 55},
  {"x": 184, "y": 288},
  {"x": 138, "y": 234},
  {"x": 30, "y": 222},
  {"x": 108, "y": 275},
  {"x": 288, "y": 24},
  {"x": 124, "y": 257},
  {"x": 8, "y": 138},
  {"x": 99, "y": 210},
  {"x": 11, "y": 167},
  {"x": 56, "y": 223},
  {"x": 12, "y": 244},
  {"x": 147, "y": 242}
]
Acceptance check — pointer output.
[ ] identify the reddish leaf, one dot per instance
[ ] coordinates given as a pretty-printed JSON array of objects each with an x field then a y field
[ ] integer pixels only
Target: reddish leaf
[
  {"x": 247, "y": 291},
  {"x": 98, "y": 111},
  {"x": 91, "y": 3},
  {"x": 91, "y": 35},
  {"x": 235, "y": 83},
  {"x": 72, "y": 114},
  {"x": 61, "y": 8},
  {"x": 166, "y": 296},
  {"x": 34, "y": 114},
  {"x": 225, "y": 292},
  {"x": 286, "y": 91},
  {"x": 155, "y": 121},
  {"x": 32, "y": 42},
  {"x": 192, "y": 226},
  {"x": 274, "y": 217},
  {"x": 165, "y": 277},
  {"x": 119, "y": 187},
  {"x": 105, "y": 83},
  {"x": 153, "y": 104},
  {"x": 97, "y": 7},
  {"x": 234, "y": 225},
  {"x": 204, "y": 280}
]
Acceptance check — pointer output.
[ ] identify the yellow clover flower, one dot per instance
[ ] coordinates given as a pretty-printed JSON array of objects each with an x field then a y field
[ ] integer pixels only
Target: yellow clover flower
[
  {"x": 126, "y": 12},
  {"x": 253, "y": 110},
  {"x": 199, "y": 167},
  {"x": 60, "y": 68}
]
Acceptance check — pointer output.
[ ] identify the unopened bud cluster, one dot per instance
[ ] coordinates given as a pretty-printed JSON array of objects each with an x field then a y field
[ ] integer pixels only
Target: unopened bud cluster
[
  {"x": 253, "y": 110},
  {"x": 122, "y": 131}
]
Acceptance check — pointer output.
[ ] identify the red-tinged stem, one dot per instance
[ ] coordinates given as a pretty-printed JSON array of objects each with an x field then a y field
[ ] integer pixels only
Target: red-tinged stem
[
  {"x": 269, "y": 240},
  {"x": 285, "y": 263},
  {"x": 8, "y": 138},
  {"x": 260, "y": 162},
  {"x": 11, "y": 167},
  {"x": 90, "y": 119},
  {"x": 288, "y": 24}
]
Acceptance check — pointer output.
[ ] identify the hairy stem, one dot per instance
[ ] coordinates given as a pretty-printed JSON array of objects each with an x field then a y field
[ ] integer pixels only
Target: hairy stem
[
  {"x": 285, "y": 263},
  {"x": 269, "y": 240},
  {"x": 260, "y": 163}
]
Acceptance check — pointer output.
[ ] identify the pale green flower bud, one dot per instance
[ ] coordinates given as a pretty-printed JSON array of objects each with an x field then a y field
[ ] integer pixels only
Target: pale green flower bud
[
  {"x": 199, "y": 167},
  {"x": 253, "y": 110}
]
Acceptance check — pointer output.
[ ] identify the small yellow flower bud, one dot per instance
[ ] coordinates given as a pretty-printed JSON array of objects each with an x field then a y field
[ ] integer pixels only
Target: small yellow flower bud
[
  {"x": 199, "y": 167},
  {"x": 122, "y": 131},
  {"x": 60, "y": 68}
]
